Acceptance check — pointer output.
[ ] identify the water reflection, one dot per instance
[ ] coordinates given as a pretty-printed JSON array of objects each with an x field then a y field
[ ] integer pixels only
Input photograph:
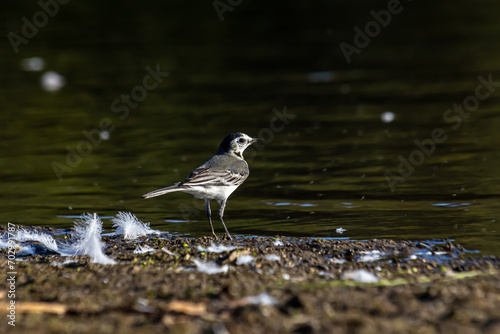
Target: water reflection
[
  {"x": 450, "y": 205},
  {"x": 288, "y": 203}
]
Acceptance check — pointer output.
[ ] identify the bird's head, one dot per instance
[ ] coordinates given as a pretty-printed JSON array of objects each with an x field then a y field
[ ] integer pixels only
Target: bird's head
[{"x": 236, "y": 143}]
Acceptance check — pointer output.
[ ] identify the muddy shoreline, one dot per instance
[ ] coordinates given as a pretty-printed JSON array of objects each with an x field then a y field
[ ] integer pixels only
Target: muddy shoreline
[{"x": 257, "y": 285}]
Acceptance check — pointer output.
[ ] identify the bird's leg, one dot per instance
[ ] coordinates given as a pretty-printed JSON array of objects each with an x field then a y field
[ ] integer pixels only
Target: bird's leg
[
  {"x": 221, "y": 214},
  {"x": 209, "y": 215}
]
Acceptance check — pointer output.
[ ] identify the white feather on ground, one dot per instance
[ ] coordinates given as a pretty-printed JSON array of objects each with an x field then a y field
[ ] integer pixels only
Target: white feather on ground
[
  {"x": 272, "y": 257},
  {"x": 45, "y": 239},
  {"x": 210, "y": 267},
  {"x": 245, "y": 259},
  {"x": 262, "y": 299},
  {"x": 86, "y": 240},
  {"x": 131, "y": 227},
  {"x": 143, "y": 249},
  {"x": 20, "y": 250},
  {"x": 213, "y": 248},
  {"x": 4, "y": 243},
  {"x": 278, "y": 242},
  {"x": 359, "y": 275}
]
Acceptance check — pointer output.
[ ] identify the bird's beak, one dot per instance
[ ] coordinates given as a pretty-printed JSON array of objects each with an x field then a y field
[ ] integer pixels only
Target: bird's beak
[{"x": 254, "y": 140}]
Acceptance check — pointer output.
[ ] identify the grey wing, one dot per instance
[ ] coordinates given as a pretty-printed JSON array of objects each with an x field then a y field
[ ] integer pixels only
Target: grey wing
[{"x": 206, "y": 177}]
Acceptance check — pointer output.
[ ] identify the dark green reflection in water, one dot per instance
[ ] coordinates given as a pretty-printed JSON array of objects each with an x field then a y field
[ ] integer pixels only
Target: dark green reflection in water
[{"x": 323, "y": 171}]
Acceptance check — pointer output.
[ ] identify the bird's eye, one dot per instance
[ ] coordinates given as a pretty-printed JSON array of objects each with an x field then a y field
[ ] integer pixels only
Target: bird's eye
[{"x": 242, "y": 141}]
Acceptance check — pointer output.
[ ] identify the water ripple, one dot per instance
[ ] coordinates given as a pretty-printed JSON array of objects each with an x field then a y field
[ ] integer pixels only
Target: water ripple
[
  {"x": 451, "y": 205},
  {"x": 289, "y": 204}
]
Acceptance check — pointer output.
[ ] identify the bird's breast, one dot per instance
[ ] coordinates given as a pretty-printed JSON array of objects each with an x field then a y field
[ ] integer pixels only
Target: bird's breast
[{"x": 218, "y": 193}]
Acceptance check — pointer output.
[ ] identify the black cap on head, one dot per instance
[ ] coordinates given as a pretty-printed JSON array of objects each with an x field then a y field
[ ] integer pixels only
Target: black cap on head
[{"x": 225, "y": 146}]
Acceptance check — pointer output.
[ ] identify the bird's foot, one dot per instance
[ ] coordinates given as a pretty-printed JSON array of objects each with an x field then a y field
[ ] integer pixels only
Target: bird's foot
[{"x": 227, "y": 236}]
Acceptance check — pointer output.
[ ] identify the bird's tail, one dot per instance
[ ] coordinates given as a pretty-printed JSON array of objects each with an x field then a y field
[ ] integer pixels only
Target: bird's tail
[{"x": 162, "y": 191}]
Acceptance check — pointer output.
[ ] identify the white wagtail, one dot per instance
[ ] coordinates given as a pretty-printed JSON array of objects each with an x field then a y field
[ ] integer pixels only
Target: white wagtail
[{"x": 218, "y": 177}]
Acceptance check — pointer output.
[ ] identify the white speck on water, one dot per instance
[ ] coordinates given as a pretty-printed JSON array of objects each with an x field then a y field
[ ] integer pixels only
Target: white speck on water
[
  {"x": 105, "y": 135},
  {"x": 348, "y": 205},
  {"x": 131, "y": 227},
  {"x": 387, "y": 116},
  {"x": 361, "y": 276},
  {"x": 286, "y": 276},
  {"x": 210, "y": 267},
  {"x": 33, "y": 64},
  {"x": 52, "y": 81},
  {"x": 340, "y": 230}
]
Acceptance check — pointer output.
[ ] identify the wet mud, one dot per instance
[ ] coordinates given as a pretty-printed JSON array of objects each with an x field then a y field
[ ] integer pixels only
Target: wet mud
[{"x": 256, "y": 285}]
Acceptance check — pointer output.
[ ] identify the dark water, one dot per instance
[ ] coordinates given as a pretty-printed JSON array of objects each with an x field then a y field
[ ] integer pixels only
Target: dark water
[{"x": 323, "y": 167}]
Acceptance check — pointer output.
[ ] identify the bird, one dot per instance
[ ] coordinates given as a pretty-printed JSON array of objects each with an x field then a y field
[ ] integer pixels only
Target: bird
[{"x": 218, "y": 177}]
